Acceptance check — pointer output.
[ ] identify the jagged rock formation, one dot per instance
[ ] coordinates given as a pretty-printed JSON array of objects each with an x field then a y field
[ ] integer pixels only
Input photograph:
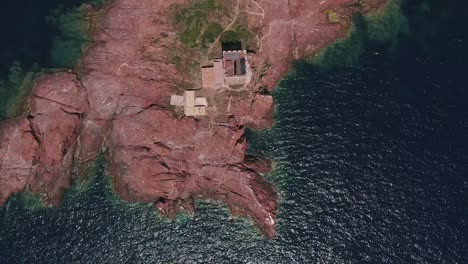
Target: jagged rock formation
[
  {"x": 36, "y": 150},
  {"x": 118, "y": 99}
]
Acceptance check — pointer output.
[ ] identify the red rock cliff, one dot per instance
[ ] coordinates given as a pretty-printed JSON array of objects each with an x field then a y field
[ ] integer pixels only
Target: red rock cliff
[{"x": 118, "y": 99}]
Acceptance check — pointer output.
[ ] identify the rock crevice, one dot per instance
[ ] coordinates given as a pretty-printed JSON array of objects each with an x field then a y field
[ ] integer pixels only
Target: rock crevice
[{"x": 154, "y": 157}]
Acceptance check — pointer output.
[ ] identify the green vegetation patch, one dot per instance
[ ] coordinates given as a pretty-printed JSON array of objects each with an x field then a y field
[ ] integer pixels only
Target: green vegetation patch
[
  {"x": 240, "y": 33},
  {"x": 230, "y": 36},
  {"x": 196, "y": 21},
  {"x": 333, "y": 17},
  {"x": 185, "y": 62},
  {"x": 212, "y": 32}
]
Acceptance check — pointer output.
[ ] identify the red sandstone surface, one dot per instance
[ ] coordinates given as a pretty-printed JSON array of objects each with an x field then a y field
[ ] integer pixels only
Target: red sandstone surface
[{"x": 118, "y": 99}]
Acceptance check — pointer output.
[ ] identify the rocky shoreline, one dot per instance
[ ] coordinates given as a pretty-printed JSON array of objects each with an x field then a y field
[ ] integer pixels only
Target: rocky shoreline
[{"x": 118, "y": 99}]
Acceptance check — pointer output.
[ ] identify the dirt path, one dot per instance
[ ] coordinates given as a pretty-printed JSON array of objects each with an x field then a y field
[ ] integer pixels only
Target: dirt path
[{"x": 226, "y": 29}]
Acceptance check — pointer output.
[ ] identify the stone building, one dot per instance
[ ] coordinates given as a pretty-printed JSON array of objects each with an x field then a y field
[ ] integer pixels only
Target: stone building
[
  {"x": 236, "y": 67},
  {"x": 193, "y": 106},
  {"x": 230, "y": 71}
]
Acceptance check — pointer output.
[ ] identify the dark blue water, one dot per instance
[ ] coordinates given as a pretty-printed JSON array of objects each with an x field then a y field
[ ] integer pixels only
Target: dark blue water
[
  {"x": 37, "y": 36},
  {"x": 372, "y": 166},
  {"x": 27, "y": 36}
]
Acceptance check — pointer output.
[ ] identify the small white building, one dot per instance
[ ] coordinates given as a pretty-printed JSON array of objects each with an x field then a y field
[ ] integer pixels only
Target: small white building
[{"x": 193, "y": 106}]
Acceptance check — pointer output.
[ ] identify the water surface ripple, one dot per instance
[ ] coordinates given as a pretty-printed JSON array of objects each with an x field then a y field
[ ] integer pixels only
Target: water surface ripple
[{"x": 372, "y": 165}]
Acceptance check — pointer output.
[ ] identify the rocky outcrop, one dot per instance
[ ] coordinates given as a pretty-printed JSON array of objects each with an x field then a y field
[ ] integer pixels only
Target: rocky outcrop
[
  {"x": 293, "y": 29},
  {"x": 254, "y": 111},
  {"x": 37, "y": 149},
  {"x": 155, "y": 158},
  {"x": 119, "y": 98}
]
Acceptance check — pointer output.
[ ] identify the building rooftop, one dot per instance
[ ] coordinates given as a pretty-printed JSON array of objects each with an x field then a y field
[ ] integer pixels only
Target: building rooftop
[
  {"x": 177, "y": 100},
  {"x": 233, "y": 70},
  {"x": 208, "y": 77},
  {"x": 201, "y": 101},
  {"x": 235, "y": 63},
  {"x": 193, "y": 106}
]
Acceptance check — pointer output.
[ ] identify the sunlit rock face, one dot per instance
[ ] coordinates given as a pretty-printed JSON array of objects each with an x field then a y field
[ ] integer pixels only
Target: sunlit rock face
[
  {"x": 37, "y": 149},
  {"x": 118, "y": 100}
]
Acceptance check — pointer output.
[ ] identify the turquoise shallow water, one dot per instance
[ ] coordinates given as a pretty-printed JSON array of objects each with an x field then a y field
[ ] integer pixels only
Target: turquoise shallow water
[
  {"x": 28, "y": 34},
  {"x": 37, "y": 37},
  {"x": 372, "y": 166}
]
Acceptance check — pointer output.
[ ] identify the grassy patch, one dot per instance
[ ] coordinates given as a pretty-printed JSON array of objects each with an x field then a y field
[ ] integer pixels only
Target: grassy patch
[
  {"x": 176, "y": 111},
  {"x": 176, "y": 60},
  {"x": 332, "y": 16},
  {"x": 240, "y": 32},
  {"x": 230, "y": 36},
  {"x": 212, "y": 32},
  {"x": 196, "y": 21},
  {"x": 182, "y": 86},
  {"x": 186, "y": 62}
]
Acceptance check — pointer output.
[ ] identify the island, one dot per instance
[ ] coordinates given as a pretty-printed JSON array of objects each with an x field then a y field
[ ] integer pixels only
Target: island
[{"x": 167, "y": 90}]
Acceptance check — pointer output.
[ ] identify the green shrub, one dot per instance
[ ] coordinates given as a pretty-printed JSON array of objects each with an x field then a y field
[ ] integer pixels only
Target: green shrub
[
  {"x": 332, "y": 16},
  {"x": 230, "y": 36},
  {"x": 212, "y": 32},
  {"x": 196, "y": 29}
]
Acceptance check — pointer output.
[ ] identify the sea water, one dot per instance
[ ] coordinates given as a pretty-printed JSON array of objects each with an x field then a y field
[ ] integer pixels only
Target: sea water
[
  {"x": 37, "y": 37},
  {"x": 371, "y": 156}
]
